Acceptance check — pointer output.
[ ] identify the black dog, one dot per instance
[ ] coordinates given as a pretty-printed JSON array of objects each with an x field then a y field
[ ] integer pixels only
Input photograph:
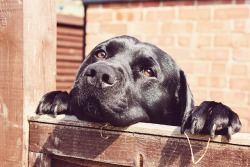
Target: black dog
[{"x": 124, "y": 81}]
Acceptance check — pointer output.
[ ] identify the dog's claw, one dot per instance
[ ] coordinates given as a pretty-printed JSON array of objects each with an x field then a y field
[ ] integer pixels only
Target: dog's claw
[
  {"x": 54, "y": 103},
  {"x": 212, "y": 132},
  {"x": 211, "y": 118}
]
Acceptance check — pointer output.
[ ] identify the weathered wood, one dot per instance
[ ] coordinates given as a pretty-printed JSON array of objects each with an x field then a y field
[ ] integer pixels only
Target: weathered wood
[
  {"x": 64, "y": 37},
  {"x": 39, "y": 63},
  {"x": 147, "y": 128},
  {"x": 69, "y": 20},
  {"x": 27, "y": 70},
  {"x": 70, "y": 31},
  {"x": 69, "y": 44},
  {"x": 11, "y": 93},
  {"x": 39, "y": 159},
  {"x": 69, "y": 50},
  {"x": 58, "y": 161},
  {"x": 150, "y": 144}
]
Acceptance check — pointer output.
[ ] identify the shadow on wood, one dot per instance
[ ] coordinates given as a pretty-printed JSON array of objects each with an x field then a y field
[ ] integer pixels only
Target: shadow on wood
[{"x": 142, "y": 144}]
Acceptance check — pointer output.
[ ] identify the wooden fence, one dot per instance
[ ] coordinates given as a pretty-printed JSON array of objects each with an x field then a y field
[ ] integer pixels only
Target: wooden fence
[
  {"x": 68, "y": 141},
  {"x": 70, "y": 41},
  {"x": 27, "y": 72}
]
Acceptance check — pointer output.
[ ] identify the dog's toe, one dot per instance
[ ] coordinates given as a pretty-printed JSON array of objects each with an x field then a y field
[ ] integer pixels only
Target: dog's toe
[{"x": 54, "y": 103}]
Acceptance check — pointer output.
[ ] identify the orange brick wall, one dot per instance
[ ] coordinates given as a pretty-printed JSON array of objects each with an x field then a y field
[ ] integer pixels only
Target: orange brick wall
[{"x": 210, "y": 40}]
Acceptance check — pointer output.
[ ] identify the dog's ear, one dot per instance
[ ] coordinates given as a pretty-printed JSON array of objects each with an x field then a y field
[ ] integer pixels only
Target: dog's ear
[{"x": 186, "y": 101}]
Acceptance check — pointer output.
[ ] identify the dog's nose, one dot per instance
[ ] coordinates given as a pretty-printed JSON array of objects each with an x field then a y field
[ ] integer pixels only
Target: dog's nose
[{"x": 100, "y": 75}]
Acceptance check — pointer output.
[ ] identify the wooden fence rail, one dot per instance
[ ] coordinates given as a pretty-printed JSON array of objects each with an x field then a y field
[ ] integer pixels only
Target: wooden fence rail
[{"x": 66, "y": 140}]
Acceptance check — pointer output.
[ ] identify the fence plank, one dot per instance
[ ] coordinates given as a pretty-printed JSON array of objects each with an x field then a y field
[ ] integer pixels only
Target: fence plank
[{"x": 142, "y": 143}]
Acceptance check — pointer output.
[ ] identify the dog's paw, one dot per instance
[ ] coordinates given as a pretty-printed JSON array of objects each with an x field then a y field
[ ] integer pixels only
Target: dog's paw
[
  {"x": 55, "y": 102},
  {"x": 214, "y": 118}
]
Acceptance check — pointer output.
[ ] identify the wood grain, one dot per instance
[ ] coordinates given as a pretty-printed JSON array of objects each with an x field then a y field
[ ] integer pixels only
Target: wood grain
[
  {"x": 11, "y": 88},
  {"x": 142, "y": 128},
  {"x": 154, "y": 145},
  {"x": 27, "y": 70},
  {"x": 69, "y": 50},
  {"x": 69, "y": 19},
  {"x": 39, "y": 159}
]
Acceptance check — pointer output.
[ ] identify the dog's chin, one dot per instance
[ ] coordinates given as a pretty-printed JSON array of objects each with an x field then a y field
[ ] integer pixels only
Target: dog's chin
[{"x": 95, "y": 109}]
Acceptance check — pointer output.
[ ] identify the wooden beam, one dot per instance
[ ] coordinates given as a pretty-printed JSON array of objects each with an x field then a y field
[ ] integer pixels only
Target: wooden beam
[
  {"x": 142, "y": 143},
  {"x": 27, "y": 70}
]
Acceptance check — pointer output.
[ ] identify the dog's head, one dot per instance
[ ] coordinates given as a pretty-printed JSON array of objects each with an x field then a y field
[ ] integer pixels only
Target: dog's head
[{"x": 124, "y": 81}]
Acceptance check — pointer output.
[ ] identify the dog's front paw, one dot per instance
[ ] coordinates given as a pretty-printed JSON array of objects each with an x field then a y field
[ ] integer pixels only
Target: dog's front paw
[
  {"x": 212, "y": 118},
  {"x": 55, "y": 102}
]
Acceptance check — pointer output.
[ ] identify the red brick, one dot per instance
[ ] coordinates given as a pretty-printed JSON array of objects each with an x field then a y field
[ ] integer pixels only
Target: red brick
[
  {"x": 94, "y": 39},
  {"x": 145, "y": 28},
  {"x": 167, "y": 40},
  {"x": 134, "y": 4},
  {"x": 113, "y": 5},
  {"x": 163, "y": 40},
  {"x": 213, "y": 2},
  {"x": 213, "y": 26},
  {"x": 240, "y": 83},
  {"x": 240, "y": 40},
  {"x": 129, "y": 15},
  {"x": 211, "y": 82},
  {"x": 243, "y": 112},
  {"x": 194, "y": 13},
  {"x": 188, "y": 67},
  {"x": 245, "y": 125},
  {"x": 178, "y": 3},
  {"x": 185, "y": 41},
  {"x": 234, "y": 40},
  {"x": 239, "y": 70},
  {"x": 229, "y": 97},
  {"x": 99, "y": 15},
  {"x": 92, "y": 27},
  {"x": 151, "y": 4},
  {"x": 222, "y": 40},
  {"x": 239, "y": 25},
  {"x": 201, "y": 67},
  {"x": 94, "y": 6},
  {"x": 179, "y": 54},
  {"x": 160, "y": 15},
  {"x": 217, "y": 82},
  {"x": 177, "y": 27},
  {"x": 231, "y": 13},
  {"x": 249, "y": 99},
  {"x": 200, "y": 95},
  {"x": 203, "y": 41},
  {"x": 240, "y": 1},
  {"x": 241, "y": 54},
  {"x": 116, "y": 29},
  {"x": 219, "y": 68},
  {"x": 88, "y": 49},
  {"x": 212, "y": 54}
]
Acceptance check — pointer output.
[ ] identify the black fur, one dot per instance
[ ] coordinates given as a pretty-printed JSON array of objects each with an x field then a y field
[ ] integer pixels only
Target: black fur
[{"x": 124, "y": 81}]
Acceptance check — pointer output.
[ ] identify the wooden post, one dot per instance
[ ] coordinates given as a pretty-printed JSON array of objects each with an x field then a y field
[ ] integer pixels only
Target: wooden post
[{"x": 27, "y": 70}]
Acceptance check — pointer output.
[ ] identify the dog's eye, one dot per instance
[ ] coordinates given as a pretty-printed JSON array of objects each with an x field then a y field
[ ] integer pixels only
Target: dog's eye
[
  {"x": 101, "y": 54},
  {"x": 149, "y": 72}
]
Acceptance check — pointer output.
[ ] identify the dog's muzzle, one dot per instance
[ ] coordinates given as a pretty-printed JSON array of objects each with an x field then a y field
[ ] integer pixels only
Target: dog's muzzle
[{"x": 100, "y": 75}]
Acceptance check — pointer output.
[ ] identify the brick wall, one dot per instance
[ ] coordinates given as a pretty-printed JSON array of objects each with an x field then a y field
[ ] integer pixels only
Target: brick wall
[{"x": 210, "y": 40}]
